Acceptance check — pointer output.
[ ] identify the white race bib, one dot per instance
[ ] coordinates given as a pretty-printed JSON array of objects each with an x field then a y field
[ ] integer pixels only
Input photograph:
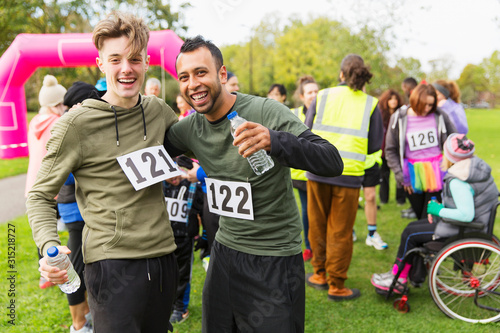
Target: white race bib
[
  {"x": 177, "y": 209},
  {"x": 148, "y": 166},
  {"x": 422, "y": 139},
  {"x": 227, "y": 198}
]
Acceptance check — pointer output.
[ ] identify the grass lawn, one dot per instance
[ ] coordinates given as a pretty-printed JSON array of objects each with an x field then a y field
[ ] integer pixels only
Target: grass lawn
[{"x": 47, "y": 311}]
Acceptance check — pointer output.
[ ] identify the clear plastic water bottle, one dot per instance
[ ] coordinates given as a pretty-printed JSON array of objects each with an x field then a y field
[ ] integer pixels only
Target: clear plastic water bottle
[
  {"x": 61, "y": 261},
  {"x": 259, "y": 161}
]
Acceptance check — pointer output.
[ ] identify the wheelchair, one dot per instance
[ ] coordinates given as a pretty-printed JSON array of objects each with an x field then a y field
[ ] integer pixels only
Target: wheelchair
[{"x": 463, "y": 273}]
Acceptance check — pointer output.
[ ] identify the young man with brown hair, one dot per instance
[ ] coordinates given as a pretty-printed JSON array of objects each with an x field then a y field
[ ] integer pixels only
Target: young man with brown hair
[{"x": 128, "y": 244}]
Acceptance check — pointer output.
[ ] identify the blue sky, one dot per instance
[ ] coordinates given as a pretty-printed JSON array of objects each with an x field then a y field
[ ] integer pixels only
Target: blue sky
[{"x": 463, "y": 31}]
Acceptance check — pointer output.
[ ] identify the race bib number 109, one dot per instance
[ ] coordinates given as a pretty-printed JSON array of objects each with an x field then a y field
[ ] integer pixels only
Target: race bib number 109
[
  {"x": 233, "y": 199},
  {"x": 148, "y": 166}
]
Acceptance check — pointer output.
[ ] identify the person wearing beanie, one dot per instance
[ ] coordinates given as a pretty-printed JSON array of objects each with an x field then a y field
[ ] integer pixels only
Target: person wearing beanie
[
  {"x": 51, "y": 98},
  {"x": 469, "y": 192},
  {"x": 79, "y": 92},
  {"x": 232, "y": 83}
]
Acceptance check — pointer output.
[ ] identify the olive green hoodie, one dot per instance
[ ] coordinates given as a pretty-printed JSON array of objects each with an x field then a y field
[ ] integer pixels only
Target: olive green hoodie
[{"x": 120, "y": 222}]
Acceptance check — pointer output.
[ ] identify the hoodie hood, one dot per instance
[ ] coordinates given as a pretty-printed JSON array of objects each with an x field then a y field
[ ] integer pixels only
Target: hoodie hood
[
  {"x": 42, "y": 123},
  {"x": 471, "y": 170},
  {"x": 96, "y": 101}
]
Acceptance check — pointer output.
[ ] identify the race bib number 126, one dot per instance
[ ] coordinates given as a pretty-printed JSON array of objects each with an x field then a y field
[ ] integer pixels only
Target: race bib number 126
[
  {"x": 148, "y": 166},
  {"x": 233, "y": 199},
  {"x": 422, "y": 139}
]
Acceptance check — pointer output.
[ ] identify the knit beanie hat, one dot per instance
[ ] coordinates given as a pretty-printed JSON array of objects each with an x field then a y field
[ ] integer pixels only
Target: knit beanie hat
[
  {"x": 78, "y": 92},
  {"x": 51, "y": 93},
  {"x": 229, "y": 75},
  {"x": 458, "y": 148}
]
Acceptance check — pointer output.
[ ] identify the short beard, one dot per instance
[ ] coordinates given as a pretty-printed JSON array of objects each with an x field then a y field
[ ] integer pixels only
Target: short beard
[{"x": 215, "y": 96}]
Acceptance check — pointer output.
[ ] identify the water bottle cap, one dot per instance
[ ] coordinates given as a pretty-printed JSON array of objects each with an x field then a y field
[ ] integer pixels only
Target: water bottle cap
[
  {"x": 232, "y": 115},
  {"x": 433, "y": 198},
  {"x": 52, "y": 251}
]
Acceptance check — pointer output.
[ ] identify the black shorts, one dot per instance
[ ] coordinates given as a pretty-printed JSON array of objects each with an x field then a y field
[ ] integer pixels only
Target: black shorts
[
  {"x": 132, "y": 295},
  {"x": 372, "y": 176},
  {"x": 250, "y": 293}
]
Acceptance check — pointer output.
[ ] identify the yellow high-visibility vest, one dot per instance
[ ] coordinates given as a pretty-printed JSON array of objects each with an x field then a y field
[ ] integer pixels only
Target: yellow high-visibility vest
[
  {"x": 298, "y": 174},
  {"x": 343, "y": 118}
]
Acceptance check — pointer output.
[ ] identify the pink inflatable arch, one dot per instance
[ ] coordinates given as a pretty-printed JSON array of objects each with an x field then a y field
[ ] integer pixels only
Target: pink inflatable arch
[{"x": 31, "y": 51}]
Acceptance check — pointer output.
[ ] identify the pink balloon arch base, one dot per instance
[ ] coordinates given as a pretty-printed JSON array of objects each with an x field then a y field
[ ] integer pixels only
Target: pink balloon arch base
[{"x": 31, "y": 51}]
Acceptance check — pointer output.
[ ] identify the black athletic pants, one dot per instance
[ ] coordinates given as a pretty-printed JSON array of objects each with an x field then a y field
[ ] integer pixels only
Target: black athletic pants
[
  {"x": 132, "y": 295},
  {"x": 210, "y": 224},
  {"x": 76, "y": 257},
  {"x": 249, "y": 293},
  {"x": 385, "y": 173},
  {"x": 419, "y": 202},
  {"x": 184, "y": 255}
]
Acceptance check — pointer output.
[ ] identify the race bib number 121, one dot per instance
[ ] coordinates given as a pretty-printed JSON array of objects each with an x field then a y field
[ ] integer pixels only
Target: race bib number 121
[{"x": 148, "y": 166}]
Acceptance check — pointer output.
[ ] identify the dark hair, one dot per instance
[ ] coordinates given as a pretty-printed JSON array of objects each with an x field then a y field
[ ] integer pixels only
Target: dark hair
[
  {"x": 355, "y": 72},
  {"x": 192, "y": 44},
  {"x": 281, "y": 89},
  {"x": 418, "y": 98},
  {"x": 383, "y": 104},
  {"x": 410, "y": 82},
  {"x": 452, "y": 88}
]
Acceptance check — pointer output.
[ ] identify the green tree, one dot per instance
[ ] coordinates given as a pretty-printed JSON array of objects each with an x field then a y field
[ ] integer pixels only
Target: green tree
[
  {"x": 472, "y": 81},
  {"x": 312, "y": 48},
  {"x": 491, "y": 68},
  {"x": 410, "y": 67}
]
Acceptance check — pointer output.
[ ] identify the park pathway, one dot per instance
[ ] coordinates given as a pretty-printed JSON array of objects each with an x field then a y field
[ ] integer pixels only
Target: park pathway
[{"x": 12, "y": 201}]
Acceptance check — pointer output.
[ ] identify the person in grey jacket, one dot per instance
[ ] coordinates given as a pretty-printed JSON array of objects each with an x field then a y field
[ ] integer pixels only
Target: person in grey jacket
[
  {"x": 469, "y": 192},
  {"x": 413, "y": 146}
]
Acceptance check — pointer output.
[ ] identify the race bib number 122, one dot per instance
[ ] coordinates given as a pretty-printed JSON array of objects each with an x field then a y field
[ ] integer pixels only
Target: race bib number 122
[
  {"x": 233, "y": 199},
  {"x": 148, "y": 166}
]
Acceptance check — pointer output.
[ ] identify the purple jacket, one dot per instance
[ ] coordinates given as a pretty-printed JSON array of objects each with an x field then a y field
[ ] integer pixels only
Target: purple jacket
[{"x": 457, "y": 115}]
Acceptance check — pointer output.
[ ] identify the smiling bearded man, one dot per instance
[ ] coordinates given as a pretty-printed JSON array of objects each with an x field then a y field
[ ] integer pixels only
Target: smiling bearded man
[{"x": 255, "y": 280}]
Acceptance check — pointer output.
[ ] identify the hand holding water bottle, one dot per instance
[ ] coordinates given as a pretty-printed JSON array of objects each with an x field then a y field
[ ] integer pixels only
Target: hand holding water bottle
[
  {"x": 251, "y": 137},
  {"x": 253, "y": 140},
  {"x": 60, "y": 271}
]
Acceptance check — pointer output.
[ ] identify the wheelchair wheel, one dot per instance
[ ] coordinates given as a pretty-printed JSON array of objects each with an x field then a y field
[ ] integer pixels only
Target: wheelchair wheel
[
  {"x": 464, "y": 280},
  {"x": 401, "y": 305}
]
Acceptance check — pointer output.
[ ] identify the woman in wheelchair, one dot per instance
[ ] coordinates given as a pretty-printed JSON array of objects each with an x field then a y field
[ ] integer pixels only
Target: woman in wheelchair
[{"x": 468, "y": 195}]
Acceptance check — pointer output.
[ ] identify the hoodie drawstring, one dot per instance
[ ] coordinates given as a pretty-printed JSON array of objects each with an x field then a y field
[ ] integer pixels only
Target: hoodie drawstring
[
  {"x": 143, "y": 122},
  {"x": 116, "y": 125}
]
